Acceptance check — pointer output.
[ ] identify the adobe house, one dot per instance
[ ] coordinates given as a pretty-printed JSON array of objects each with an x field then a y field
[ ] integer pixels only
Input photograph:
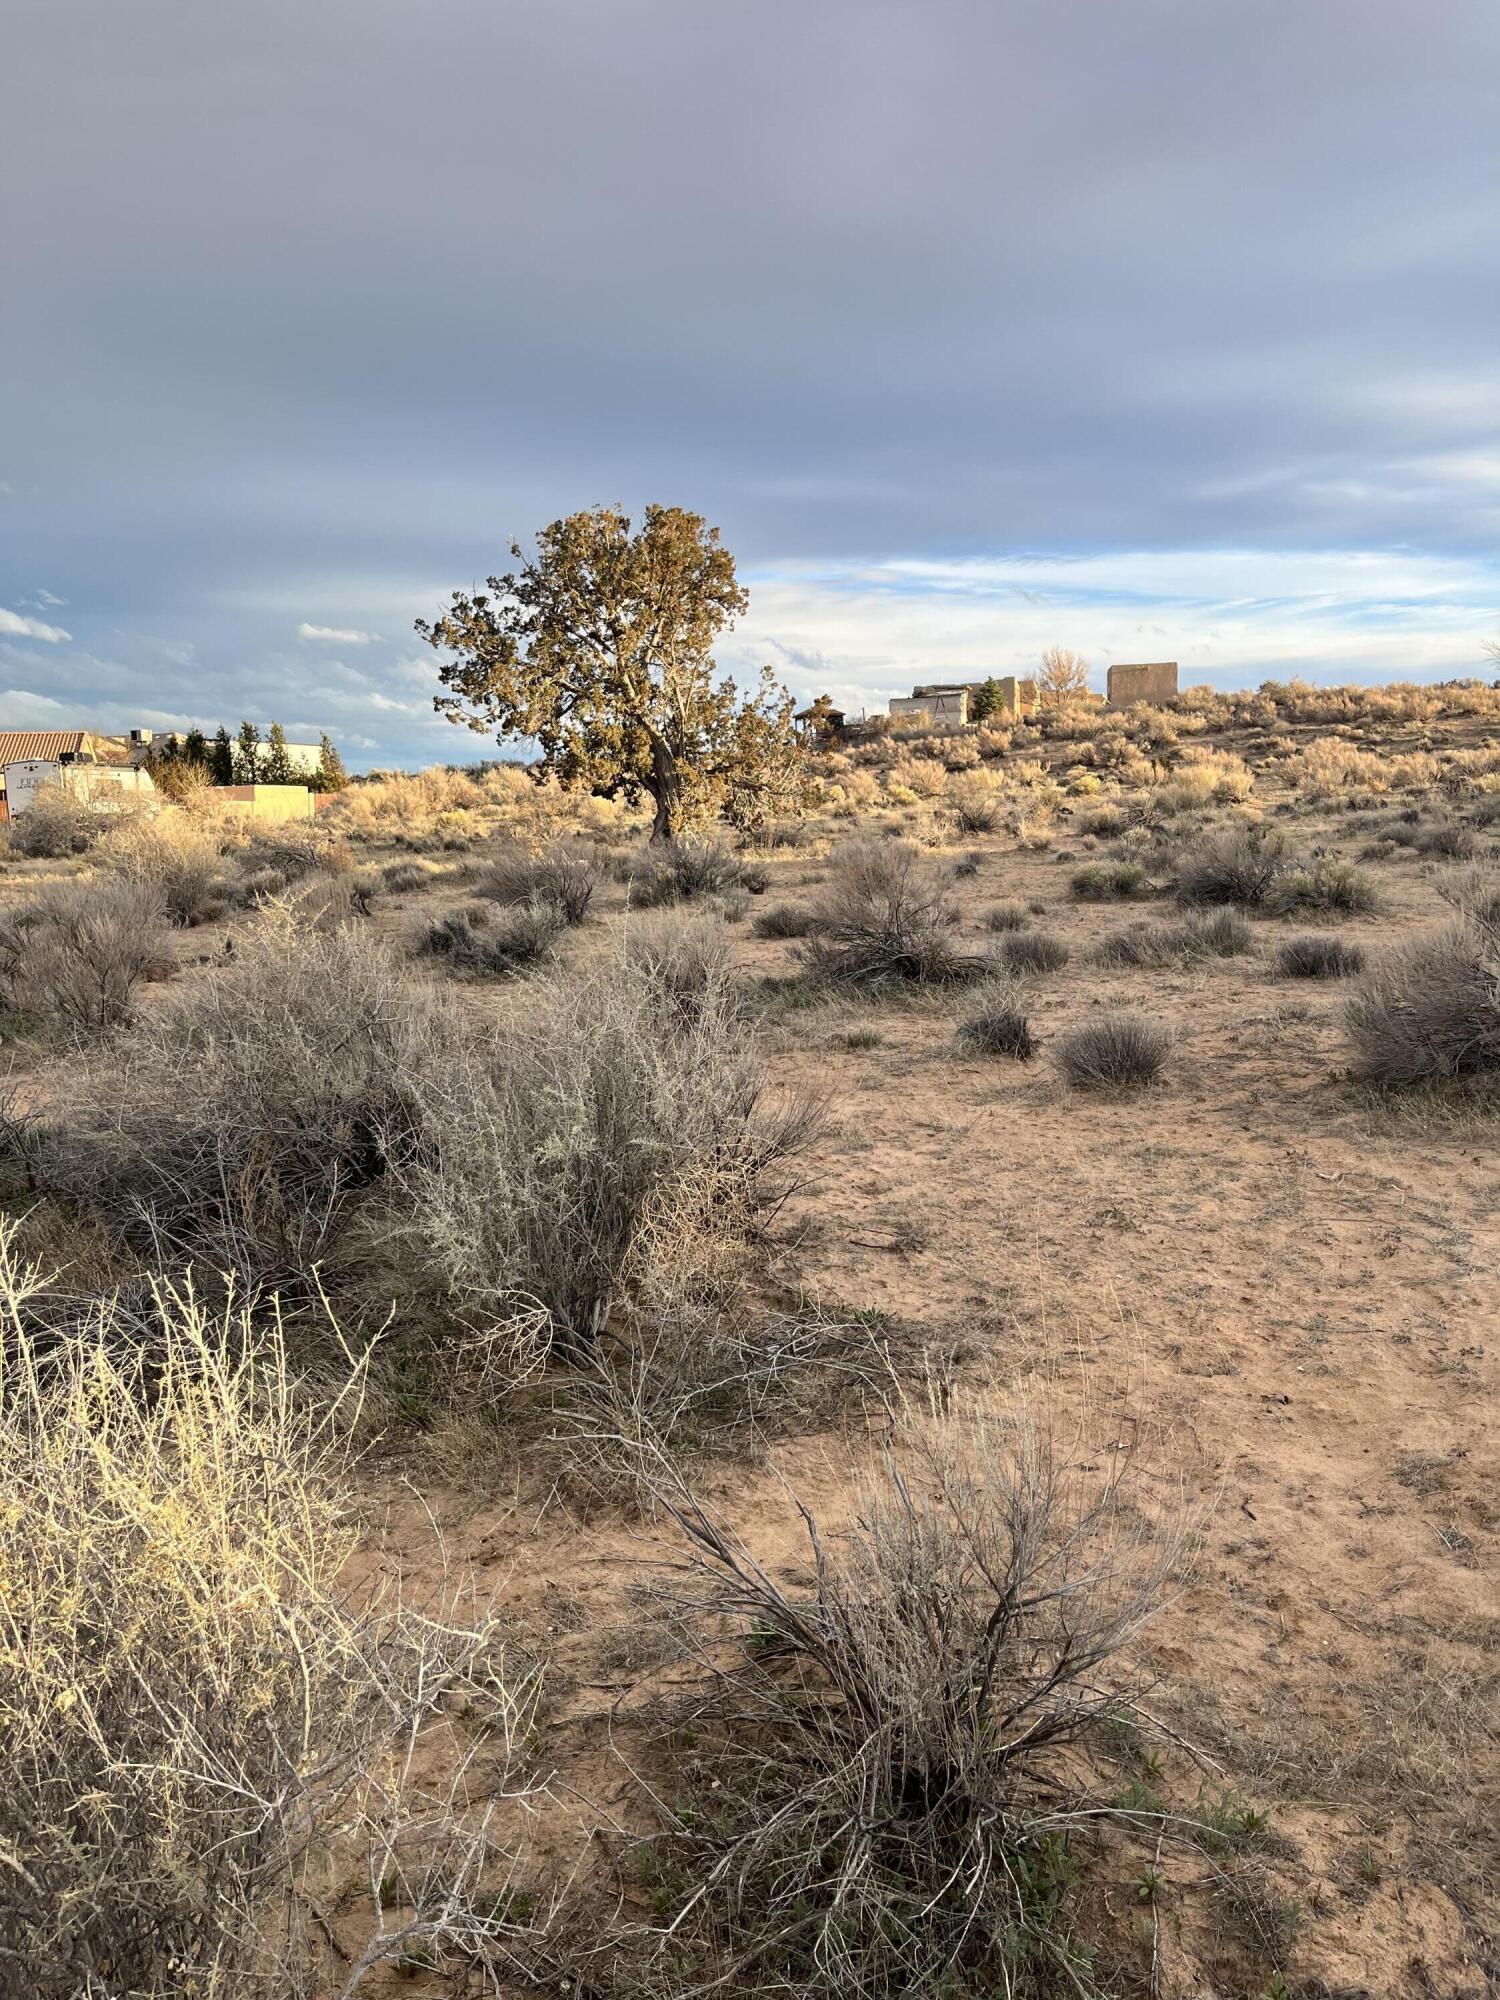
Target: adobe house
[
  {"x": 947, "y": 702},
  {"x": 1151, "y": 681}
]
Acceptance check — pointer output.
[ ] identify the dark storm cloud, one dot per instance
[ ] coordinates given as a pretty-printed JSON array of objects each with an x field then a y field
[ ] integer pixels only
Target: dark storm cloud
[{"x": 304, "y": 309}]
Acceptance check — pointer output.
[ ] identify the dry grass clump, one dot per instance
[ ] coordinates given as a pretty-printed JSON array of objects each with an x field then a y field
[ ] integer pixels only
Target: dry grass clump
[
  {"x": 885, "y": 918},
  {"x": 193, "y": 1702},
  {"x": 1021, "y": 952},
  {"x": 1202, "y": 778},
  {"x": 1316, "y": 955},
  {"x": 402, "y": 877},
  {"x": 1331, "y": 884},
  {"x": 561, "y": 878},
  {"x": 236, "y": 1124},
  {"x": 1431, "y": 1008},
  {"x": 1107, "y": 881},
  {"x": 785, "y": 920},
  {"x": 631, "y": 1094},
  {"x": 494, "y": 946},
  {"x": 178, "y": 858},
  {"x": 893, "y": 1757},
  {"x": 978, "y": 804},
  {"x": 682, "y": 871},
  {"x": 997, "y": 1026},
  {"x": 1474, "y": 892},
  {"x": 1239, "y": 864},
  {"x": 1211, "y": 934},
  {"x": 75, "y": 952},
  {"x": 1120, "y": 1051},
  {"x": 1006, "y": 917}
]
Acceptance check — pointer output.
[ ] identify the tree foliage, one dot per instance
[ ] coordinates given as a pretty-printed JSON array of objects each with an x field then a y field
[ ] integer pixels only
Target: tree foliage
[
  {"x": 247, "y": 755},
  {"x": 331, "y": 777},
  {"x": 276, "y": 767},
  {"x": 600, "y": 648},
  {"x": 1063, "y": 674},
  {"x": 987, "y": 699}
]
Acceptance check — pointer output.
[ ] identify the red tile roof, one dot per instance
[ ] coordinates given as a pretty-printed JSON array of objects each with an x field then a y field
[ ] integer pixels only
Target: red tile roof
[{"x": 21, "y": 746}]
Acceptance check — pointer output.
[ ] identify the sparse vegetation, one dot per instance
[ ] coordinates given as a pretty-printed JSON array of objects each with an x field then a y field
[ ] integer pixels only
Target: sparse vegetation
[{"x": 76, "y": 952}]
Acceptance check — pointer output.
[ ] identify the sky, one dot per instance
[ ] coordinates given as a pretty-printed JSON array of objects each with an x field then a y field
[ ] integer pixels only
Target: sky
[{"x": 1154, "y": 328}]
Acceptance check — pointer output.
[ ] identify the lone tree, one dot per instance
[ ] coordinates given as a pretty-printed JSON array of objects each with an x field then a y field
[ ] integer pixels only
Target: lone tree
[
  {"x": 1063, "y": 674},
  {"x": 600, "y": 648}
]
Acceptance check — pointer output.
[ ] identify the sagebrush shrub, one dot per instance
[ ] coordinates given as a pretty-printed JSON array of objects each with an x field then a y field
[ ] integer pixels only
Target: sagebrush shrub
[
  {"x": 889, "y": 1759},
  {"x": 682, "y": 871},
  {"x": 1430, "y": 1008},
  {"x": 236, "y": 1124},
  {"x": 179, "y": 859},
  {"x": 1330, "y": 884},
  {"x": 74, "y": 954},
  {"x": 1240, "y": 864},
  {"x": 561, "y": 878},
  {"x": 1215, "y": 934},
  {"x": 885, "y": 916},
  {"x": 619, "y": 1100},
  {"x": 515, "y": 940},
  {"x": 57, "y": 824},
  {"x": 1113, "y": 1052}
]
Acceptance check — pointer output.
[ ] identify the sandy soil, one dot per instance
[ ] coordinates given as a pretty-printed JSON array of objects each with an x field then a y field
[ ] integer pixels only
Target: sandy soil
[{"x": 1276, "y": 1292}]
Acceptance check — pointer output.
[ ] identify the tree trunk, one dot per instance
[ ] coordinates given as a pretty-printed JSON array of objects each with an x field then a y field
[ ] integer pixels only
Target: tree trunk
[{"x": 666, "y": 790}]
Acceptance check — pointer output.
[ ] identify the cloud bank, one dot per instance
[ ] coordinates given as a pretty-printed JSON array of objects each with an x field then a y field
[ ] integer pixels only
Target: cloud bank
[{"x": 974, "y": 325}]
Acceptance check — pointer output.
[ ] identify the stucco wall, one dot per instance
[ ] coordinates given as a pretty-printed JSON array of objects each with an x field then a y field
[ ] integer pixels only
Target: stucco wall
[{"x": 1153, "y": 681}]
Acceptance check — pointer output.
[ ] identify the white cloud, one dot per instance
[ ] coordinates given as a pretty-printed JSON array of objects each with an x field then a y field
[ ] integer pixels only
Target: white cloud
[
  {"x": 337, "y": 635},
  {"x": 1232, "y": 617},
  {"x": 14, "y": 626},
  {"x": 45, "y": 597},
  {"x": 21, "y": 706}
]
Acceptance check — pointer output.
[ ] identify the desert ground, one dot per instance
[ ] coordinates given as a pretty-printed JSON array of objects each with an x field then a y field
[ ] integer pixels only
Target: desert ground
[{"x": 1252, "y": 1301}]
